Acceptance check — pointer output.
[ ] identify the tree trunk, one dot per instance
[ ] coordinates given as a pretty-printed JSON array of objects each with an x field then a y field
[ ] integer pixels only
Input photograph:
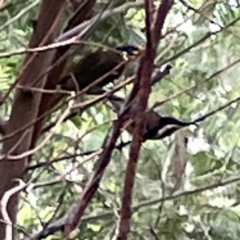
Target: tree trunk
[{"x": 26, "y": 103}]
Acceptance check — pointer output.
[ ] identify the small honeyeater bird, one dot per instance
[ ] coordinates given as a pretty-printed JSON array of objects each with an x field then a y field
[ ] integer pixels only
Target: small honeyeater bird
[{"x": 157, "y": 126}]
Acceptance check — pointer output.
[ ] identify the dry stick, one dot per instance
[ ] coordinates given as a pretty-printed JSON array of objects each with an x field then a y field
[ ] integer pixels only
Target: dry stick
[
  {"x": 3, "y": 203},
  {"x": 50, "y": 46}
]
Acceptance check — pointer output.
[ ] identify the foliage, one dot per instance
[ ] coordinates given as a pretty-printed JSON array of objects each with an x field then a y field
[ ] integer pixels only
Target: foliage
[{"x": 202, "y": 45}]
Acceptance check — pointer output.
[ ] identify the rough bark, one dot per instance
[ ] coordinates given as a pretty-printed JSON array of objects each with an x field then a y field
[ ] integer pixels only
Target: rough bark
[
  {"x": 49, "y": 100},
  {"x": 26, "y": 104}
]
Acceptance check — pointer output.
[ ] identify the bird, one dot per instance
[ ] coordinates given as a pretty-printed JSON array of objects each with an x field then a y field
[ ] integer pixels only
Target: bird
[
  {"x": 106, "y": 64},
  {"x": 157, "y": 126}
]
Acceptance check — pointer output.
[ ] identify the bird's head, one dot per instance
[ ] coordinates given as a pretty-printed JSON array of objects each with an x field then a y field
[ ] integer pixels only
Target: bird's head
[{"x": 129, "y": 50}]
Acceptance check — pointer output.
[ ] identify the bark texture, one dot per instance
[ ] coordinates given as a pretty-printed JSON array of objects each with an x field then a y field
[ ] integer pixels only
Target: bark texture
[{"x": 26, "y": 103}]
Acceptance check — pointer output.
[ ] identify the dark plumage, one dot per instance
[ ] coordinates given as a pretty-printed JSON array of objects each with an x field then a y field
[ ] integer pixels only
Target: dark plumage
[
  {"x": 95, "y": 65},
  {"x": 165, "y": 126},
  {"x": 157, "y": 127}
]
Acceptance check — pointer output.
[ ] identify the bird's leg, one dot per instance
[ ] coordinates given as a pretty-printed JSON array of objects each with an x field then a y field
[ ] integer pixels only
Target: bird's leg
[{"x": 121, "y": 145}]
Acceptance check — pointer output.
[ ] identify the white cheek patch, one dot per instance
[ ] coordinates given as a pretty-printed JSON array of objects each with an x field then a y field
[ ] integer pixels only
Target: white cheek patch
[
  {"x": 125, "y": 56},
  {"x": 168, "y": 127}
]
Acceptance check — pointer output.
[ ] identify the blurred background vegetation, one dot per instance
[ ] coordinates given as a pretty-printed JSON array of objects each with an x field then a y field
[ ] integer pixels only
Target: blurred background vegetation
[{"x": 201, "y": 42}]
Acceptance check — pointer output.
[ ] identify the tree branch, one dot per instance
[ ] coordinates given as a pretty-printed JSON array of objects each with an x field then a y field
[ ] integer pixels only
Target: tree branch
[{"x": 139, "y": 101}]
